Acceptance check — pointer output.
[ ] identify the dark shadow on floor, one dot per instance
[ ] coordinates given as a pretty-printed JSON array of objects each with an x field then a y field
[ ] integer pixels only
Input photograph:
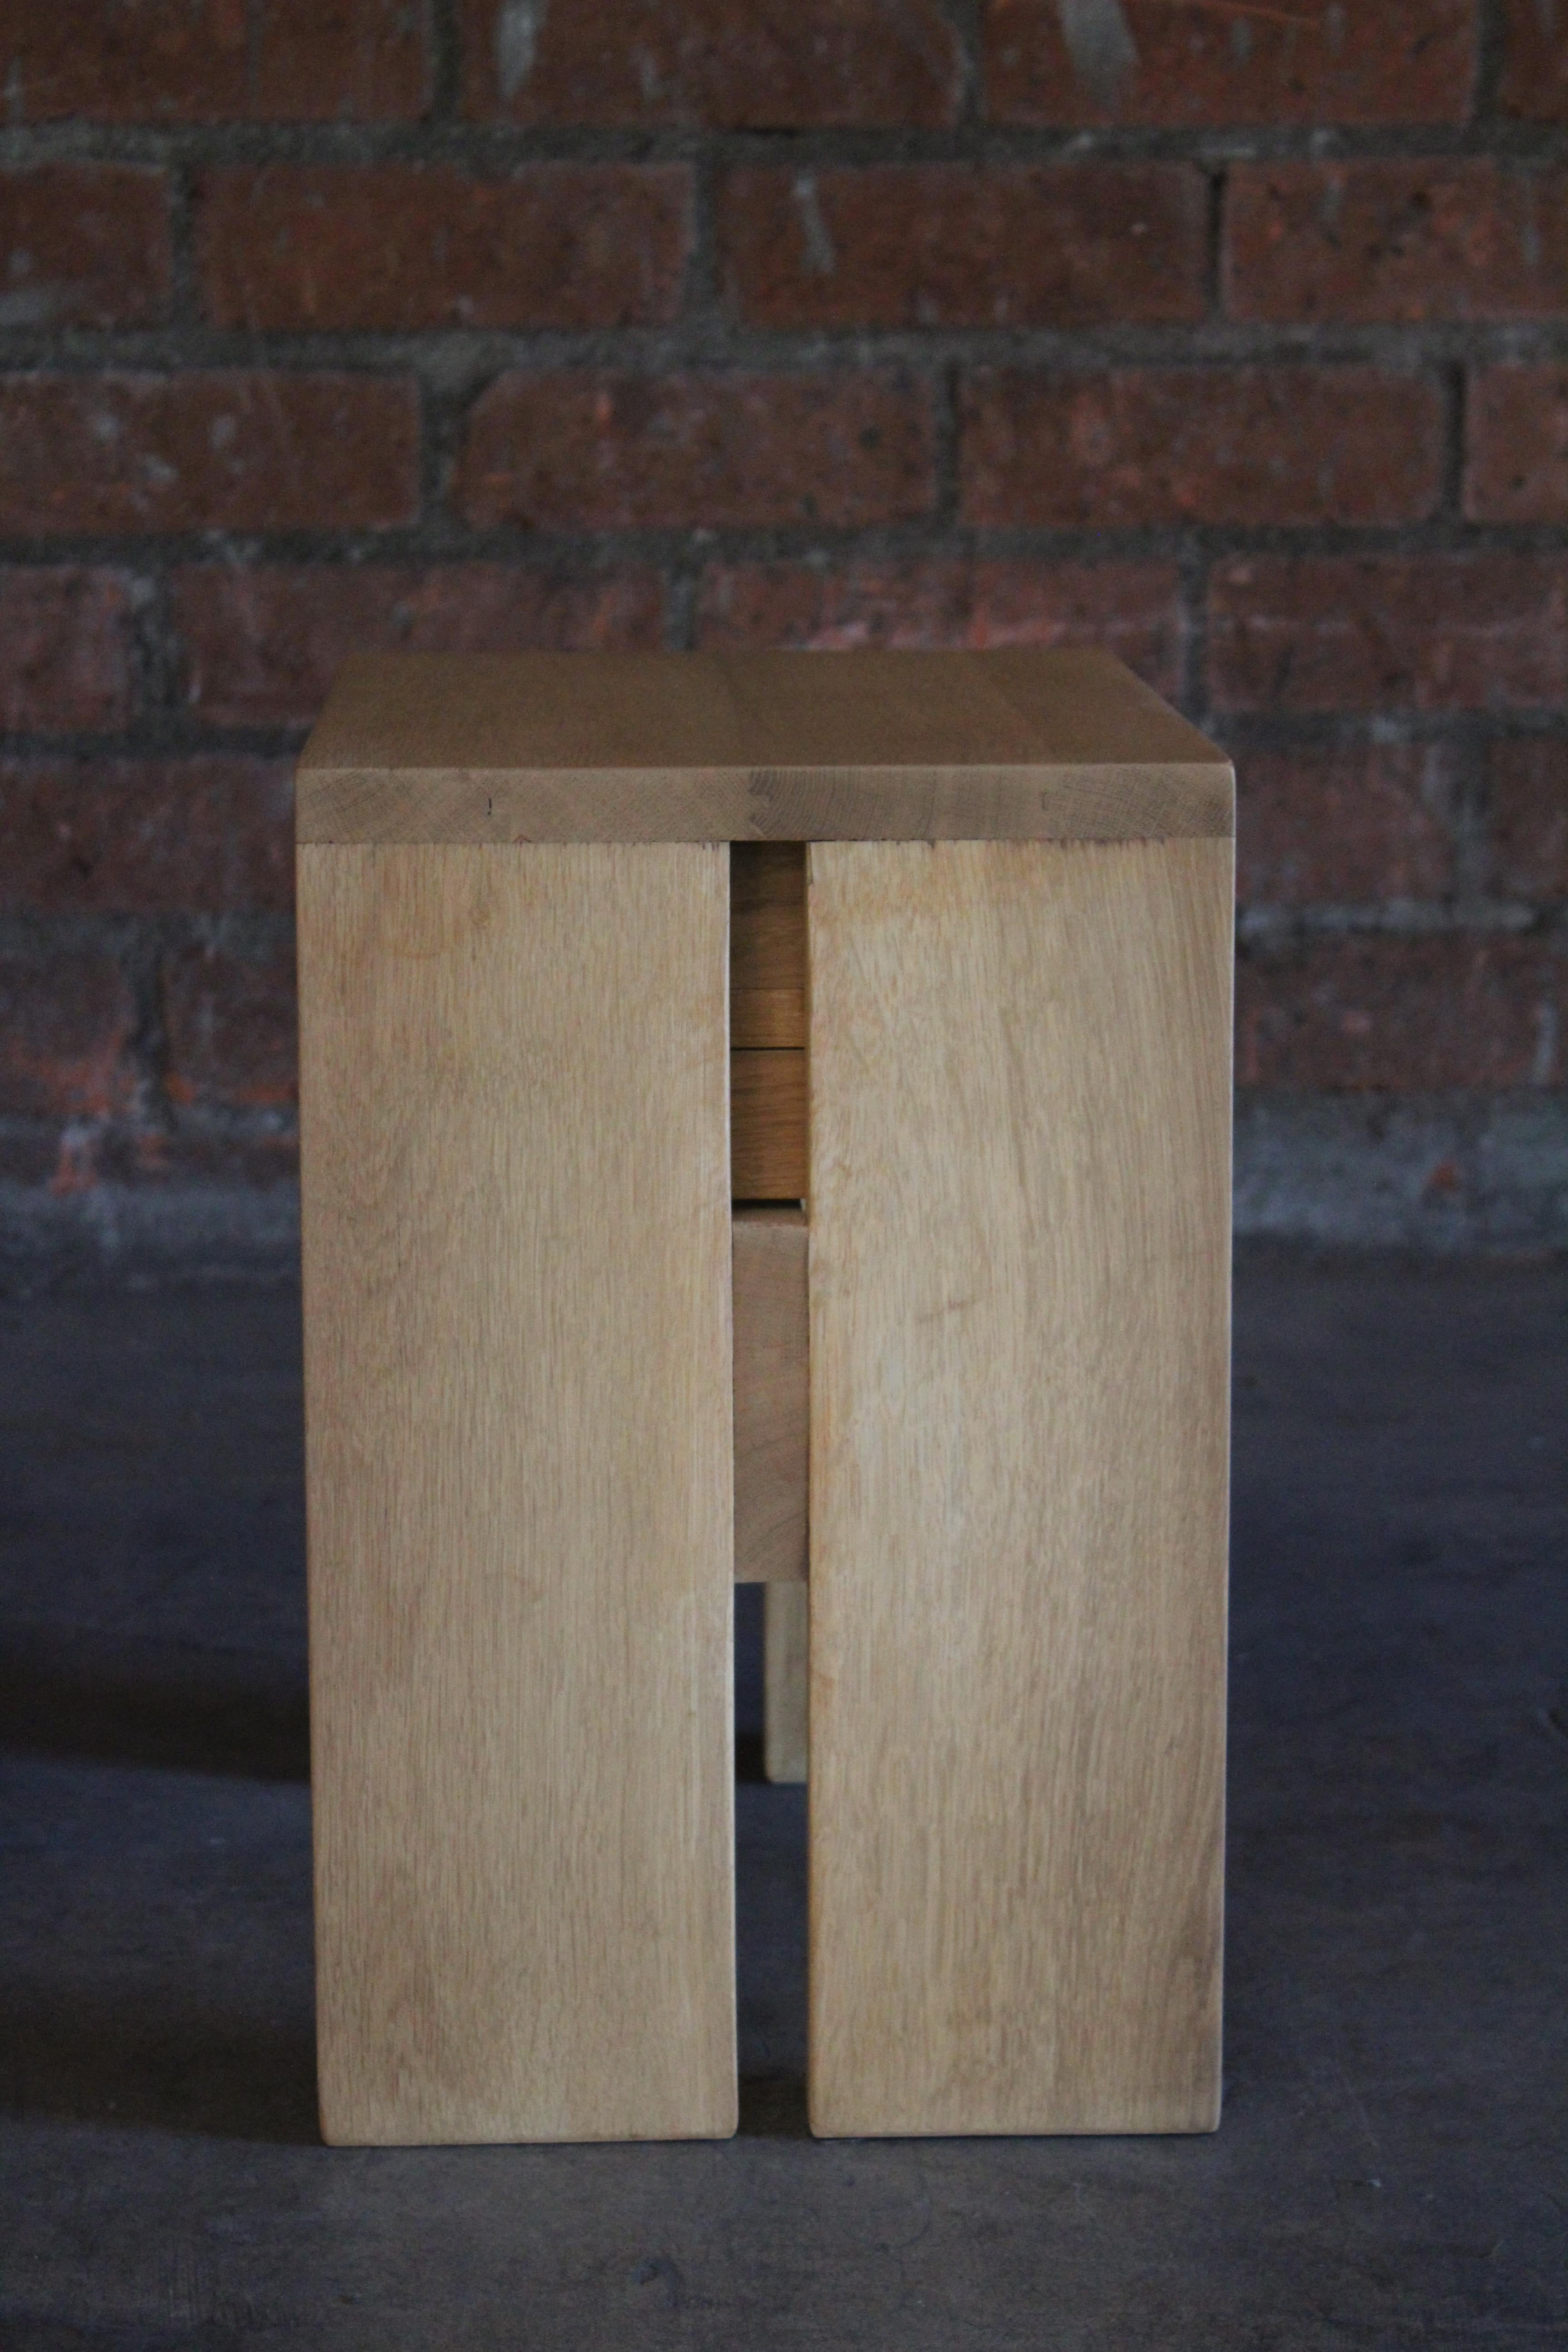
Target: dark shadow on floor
[
  {"x": 134, "y": 2063},
  {"x": 123, "y": 1701},
  {"x": 773, "y": 2106}
]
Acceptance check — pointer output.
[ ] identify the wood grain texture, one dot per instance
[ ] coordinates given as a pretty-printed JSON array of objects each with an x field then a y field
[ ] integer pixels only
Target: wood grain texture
[
  {"x": 517, "y": 1266},
  {"x": 767, "y": 1125},
  {"x": 770, "y": 1396},
  {"x": 786, "y": 1665},
  {"x": 1018, "y": 1351},
  {"x": 1018, "y": 742},
  {"x": 767, "y": 944}
]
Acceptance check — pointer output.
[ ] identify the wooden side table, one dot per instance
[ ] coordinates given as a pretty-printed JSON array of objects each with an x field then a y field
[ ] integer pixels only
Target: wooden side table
[{"x": 559, "y": 1389}]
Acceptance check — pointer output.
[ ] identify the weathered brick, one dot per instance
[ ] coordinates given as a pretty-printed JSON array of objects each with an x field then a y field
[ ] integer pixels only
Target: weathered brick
[
  {"x": 238, "y": 450},
  {"x": 1529, "y": 782},
  {"x": 1249, "y": 445},
  {"x": 1411, "y": 241},
  {"x": 1131, "y": 609},
  {"x": 66, "y": 1023},
  {"x": 262, "y": 646},
  {"x": 65, "y": 647},
  {"x": 1198, "y": 66},
  {"x": 1346, "y": 826},
  {"x": 407, "y": 246},
  {"x": 1534, "y": 78},
  {"x": 1517, "y": 445},
  {"x": 216, "y": 60},
  {"x": 634, "y": 452},
  {"x": 1484, "y": 631},
  {"x": 231, "y": 1023},
  {"x": 1403, "y": 1015},
  {"x": 83, "y": 245},
  {"x": 145, "y": 836},
  {"x": 733, "y": 65},
  {"x": 944, "y": 245}
]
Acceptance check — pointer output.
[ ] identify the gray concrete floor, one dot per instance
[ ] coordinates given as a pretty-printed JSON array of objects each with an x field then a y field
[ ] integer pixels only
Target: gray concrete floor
[{"x": 1391, "y": 2169}]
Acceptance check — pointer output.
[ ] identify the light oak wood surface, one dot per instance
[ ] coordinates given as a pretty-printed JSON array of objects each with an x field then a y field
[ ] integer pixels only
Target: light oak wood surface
[
  {"x": 786, "y": 1663},
  {"x": 1018, "y": 742},
  {"x": 517, "y": 1255},
  {"x": 1019, "y": 1363},
  {"x": 770, "y": 1396}
]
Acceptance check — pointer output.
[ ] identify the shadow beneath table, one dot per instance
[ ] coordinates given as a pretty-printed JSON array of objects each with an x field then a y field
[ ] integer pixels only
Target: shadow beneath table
[
  {"x": 236, "y": 1715},
  {"x": 773, "y": 2106},
  {"x": 124, "y": 2059}
]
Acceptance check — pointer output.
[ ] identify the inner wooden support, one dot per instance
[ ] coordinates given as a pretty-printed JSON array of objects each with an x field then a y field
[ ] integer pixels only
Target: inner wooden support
[
  {"x": 772, "y": 1455},
  {"x": 767, "y": 1021}
]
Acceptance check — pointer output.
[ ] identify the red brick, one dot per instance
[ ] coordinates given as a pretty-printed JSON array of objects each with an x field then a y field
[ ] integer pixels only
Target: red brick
[
  {"x": 83, "y": 245},
  {"x": 1341, "y": 826},
  {"x": 65, "y": 651},
  {"x": 1403, "y": 1015},
  {"x": 1251, "y": 445},
  {"x": 262, "y": 646},
  {"x": 1517, "y": 459},
  {"x": 1407, "y": 241},
  {"x": 1529, "y": 783},
  {"x": 732, "y": 65},
  {"x": 215, "y": 60},
  {"x": 1131, "y": 609},
  {"x": 1202, "y": 66},
  {"x": 1534, "y": 80},
  {"x": 645, "y": 452},
  {"x": 1485, "y": 632},
  {"x": 66, "y": 1023},
  {"x": 944, "y": 244},
  {"x": 232, "y": 1026},
  {"x": 405, "y": 246},
  {"x": 236, "y": 451},
  {"x": 145, "y": 836}
]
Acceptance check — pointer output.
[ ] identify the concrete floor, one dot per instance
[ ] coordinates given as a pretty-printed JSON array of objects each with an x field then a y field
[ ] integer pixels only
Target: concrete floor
[{"x": 1390, "y": 2171}]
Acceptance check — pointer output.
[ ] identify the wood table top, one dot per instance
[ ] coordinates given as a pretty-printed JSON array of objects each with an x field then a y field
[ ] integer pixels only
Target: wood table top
[{"x": 1021, "y": 743}]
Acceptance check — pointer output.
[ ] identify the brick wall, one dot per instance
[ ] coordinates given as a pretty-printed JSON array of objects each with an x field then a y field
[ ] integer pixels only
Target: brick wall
[{"x": 1233, "y": 337}]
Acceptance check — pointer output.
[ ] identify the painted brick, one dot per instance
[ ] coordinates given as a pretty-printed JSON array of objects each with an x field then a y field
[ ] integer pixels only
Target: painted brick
[
  {"x": 624, "y": 452},
  {"x": 66, "y": 1023},
  {"x": 733, "y": 65},
  {"x": 1132, "y": 610},
  {"x": 400, "y": 246},
  {"x": 1534, "y": 78},
  {"x": 83, "y": 245},
  {"x": 1517, "y": 445},
  {"x": 145, "y": 836},
  {"x": 1408, "y": 241},
  {"x": 238, "y": 450},
  {"x": 65, "y": 647},
  {"x": 1403, "y": 1015},
  {"x": 1200, "y": 67},
  {"x": 1484, "y": 631},
  {"x": 1528, "y": 784},
  {"x": 944, "y": 245},
  {"x": 216, "y": 60},
  {"x": 262, "y": 645},
  {"x": 232, "y": 1027},
  {"x": 1342, "y": 827},
  {"x": 1247, "y": 446}
]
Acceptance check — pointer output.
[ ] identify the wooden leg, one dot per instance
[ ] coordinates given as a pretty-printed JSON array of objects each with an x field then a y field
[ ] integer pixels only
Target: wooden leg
[
  {"x": 786, "y": 1619},
  {"x": 518, "y": 1383},
  {"x": 1020, "y": 1246}
]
